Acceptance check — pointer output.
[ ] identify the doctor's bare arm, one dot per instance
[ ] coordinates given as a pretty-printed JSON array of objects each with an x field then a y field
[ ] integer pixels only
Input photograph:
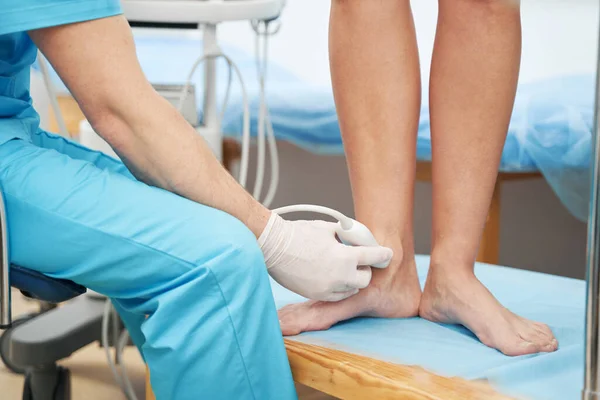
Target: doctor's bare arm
[{"x": 98, "y": 63}]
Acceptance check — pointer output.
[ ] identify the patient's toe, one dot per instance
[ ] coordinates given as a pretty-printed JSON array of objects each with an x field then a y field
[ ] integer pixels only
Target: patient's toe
[{"x": 545, "y": 329}]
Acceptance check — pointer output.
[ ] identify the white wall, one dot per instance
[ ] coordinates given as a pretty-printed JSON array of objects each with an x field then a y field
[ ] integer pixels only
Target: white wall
[{"x": 559, "y": 36}]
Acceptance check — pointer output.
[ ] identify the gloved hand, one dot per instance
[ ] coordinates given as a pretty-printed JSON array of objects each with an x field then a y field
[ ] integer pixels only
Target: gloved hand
[{"x": 306, "y": 258}]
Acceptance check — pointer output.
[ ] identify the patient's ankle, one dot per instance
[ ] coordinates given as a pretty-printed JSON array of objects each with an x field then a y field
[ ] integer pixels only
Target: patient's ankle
[
  {"x": 454, "y": 256},
  {"x": 399, "y": 275}
]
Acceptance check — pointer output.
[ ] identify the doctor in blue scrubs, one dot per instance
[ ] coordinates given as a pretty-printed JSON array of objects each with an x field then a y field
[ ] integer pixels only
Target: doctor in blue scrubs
[{"x": 182, "y": 250}]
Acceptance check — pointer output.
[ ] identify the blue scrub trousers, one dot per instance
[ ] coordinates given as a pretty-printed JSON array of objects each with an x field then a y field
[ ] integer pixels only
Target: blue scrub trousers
[{"x": 196, "y": 272}]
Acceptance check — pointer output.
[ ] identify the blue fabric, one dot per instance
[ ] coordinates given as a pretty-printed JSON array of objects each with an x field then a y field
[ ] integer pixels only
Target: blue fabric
[
  {"x": 18, "y": 119},
  {"x": 453, "y": 351},
  {"x": 26, "y": 15},
  {"x": 553, "y": 124},
  {"x": 197, "y": 273}
]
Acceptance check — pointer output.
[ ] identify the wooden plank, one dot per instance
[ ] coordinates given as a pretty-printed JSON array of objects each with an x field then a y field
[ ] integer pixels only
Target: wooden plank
[
  {"x": 350, "y": 376},
  {"x": 518, "y": 176},
  {"x": 424, "y": 171}
]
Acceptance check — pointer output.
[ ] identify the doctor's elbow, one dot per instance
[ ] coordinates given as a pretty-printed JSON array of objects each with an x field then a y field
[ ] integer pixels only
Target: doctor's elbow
[{"x": 118, "y": 117}]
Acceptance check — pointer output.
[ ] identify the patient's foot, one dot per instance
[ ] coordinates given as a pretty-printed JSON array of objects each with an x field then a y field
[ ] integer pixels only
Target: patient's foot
[
  {"x": 394, "y": 292},
  {"x": 451, "y": 296}
]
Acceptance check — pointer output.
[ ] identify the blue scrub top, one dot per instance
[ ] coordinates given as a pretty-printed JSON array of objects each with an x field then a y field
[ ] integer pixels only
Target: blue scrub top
[{"x": 18, "y": 119}]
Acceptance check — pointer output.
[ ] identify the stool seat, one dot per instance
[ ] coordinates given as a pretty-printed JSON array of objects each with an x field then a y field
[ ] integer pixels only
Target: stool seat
[{"x": 41, "y": 287}]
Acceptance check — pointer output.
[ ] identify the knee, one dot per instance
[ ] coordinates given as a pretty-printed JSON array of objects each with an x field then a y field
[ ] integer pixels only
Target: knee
[
  {"x": 236, "y": 253},
  {"x": 245, "y": 249},
  {"x": 241, "y": 272},
  {"x": 249, "y": 257}
]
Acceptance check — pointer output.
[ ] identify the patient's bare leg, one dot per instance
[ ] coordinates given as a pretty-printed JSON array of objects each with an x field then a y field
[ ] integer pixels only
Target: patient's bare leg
[
  {"x": 375, "y": 72},
  {"x": 473, "y": 81}
]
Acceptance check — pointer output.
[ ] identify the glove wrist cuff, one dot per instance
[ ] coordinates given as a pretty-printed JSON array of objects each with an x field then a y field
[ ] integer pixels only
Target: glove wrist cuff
[
  {"x": 271, "y": 240},
  {"x": 264, "y": 236}
]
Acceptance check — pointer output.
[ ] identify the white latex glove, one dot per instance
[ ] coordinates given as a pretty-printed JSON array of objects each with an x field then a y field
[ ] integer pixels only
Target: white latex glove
[{"x": 306, "y": 258}]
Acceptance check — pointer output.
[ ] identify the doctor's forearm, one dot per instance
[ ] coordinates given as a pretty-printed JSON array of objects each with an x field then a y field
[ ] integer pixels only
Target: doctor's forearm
[
  {"x": 97, "y": 61},
  {"x": 163, "y": 150}
]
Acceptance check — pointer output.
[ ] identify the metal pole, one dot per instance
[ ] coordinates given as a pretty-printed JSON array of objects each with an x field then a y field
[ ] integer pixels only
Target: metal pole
[
  {"x": 5, "y": 300},
  {"x": 591, "y": 389},
  {"x": 211, "y": 120}
]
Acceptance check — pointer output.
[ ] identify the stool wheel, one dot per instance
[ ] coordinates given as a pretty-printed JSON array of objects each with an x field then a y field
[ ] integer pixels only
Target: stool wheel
[
  {"x": 62, "y": 388},
  {"x": 5, "y": 343},
  {"x": 27, "y": 391}
]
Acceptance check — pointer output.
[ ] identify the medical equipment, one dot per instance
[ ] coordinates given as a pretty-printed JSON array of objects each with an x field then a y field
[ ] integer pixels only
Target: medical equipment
[
  {"x": 342, "y": 270},
  {"x": 173, "y": 94},
  {"x": 307, "y": 258},
  {"x": 209, "y": 13},
  {"x": 212, "y": 52},
  {"x": 349, "y": 231}
]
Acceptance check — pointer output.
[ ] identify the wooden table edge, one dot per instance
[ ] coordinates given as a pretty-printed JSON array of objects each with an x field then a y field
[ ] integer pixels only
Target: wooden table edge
[{"x": 351, "y": 376}]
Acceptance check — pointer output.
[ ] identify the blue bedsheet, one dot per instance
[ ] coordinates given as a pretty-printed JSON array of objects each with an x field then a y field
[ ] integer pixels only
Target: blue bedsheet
[
  {"x": 550, "y": 130},
  {"x": 454, "y": 351}
]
